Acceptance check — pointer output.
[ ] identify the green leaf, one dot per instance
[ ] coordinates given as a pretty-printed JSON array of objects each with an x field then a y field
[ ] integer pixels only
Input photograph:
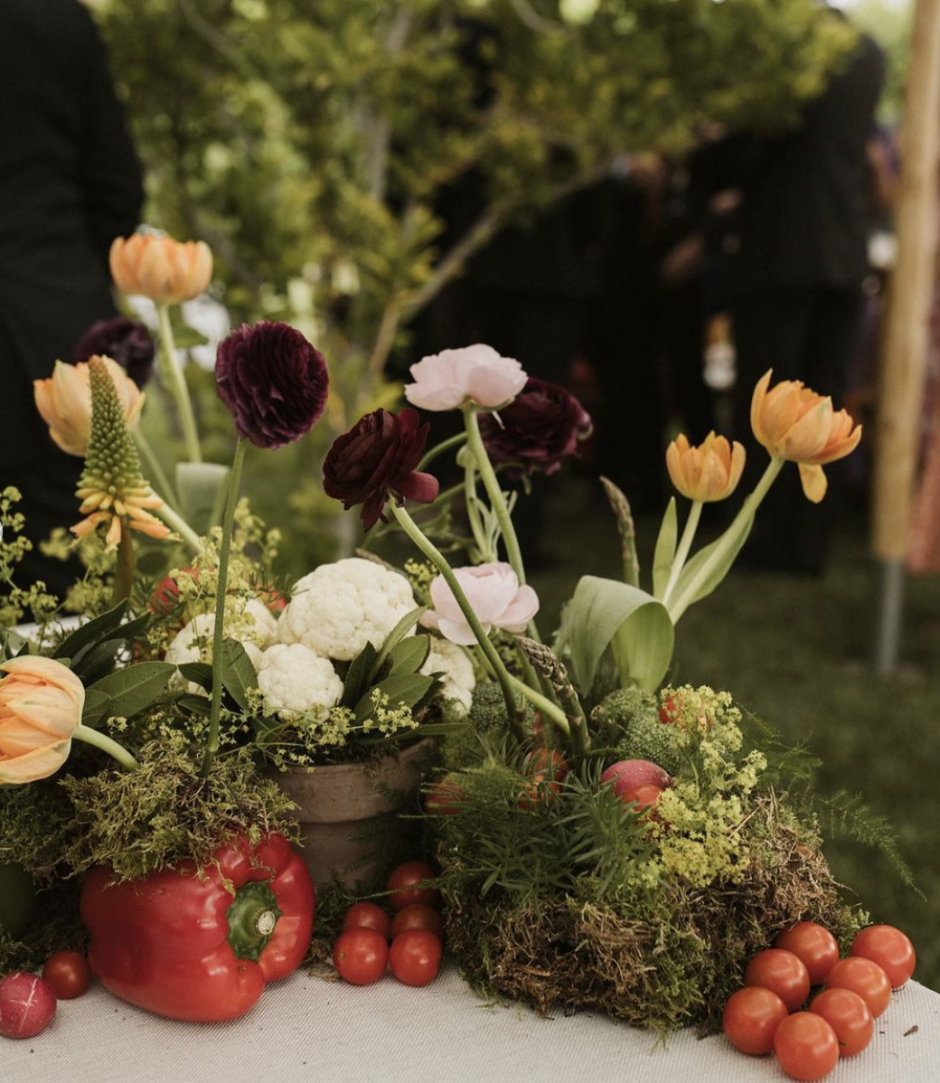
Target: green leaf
[
  {"x": 358, "y": 676},
  {"x": 97, "y": 660},
  {"x": 90, "y": 632},
  {"x": 665, "y": 552},
  {"x": 394, "y": 637},
  {"x": 198, "y": 672},
  {"x": 238, "y": 673},
  {"x": 201, "y": 488},
  {"x": 720, "y": 570},
  {"x": 409, "y": 655},
  {"x": 96, "y": 708},
  {"x": 406, "y": 690},
  {"x": 133, "y": 688},
  {"x": 184, "y": 336},
  {"x": 607, "y": 614},
  {"x": 194, "y": 704}
]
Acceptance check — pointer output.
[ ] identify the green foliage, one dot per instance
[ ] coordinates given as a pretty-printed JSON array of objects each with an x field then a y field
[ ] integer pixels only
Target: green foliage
[{"x": 141, "y": 821}]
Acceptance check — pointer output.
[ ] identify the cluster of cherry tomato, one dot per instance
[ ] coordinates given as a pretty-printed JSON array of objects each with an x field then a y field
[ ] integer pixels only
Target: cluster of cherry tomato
[
  {"x": 408, "y": 942},
  {"x": 767, "y": 1015},
  {"x": 28, "y": 1001}
]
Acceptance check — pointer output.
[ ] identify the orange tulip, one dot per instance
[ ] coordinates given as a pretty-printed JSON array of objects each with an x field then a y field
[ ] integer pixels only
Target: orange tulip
[
  {"x": 708, "y": 472},
  {"x": 41, "y": 702},
  {"x": 794, "y": 423},
  {"x": 64, "y": 402},
  {"x": 155, "y": 266}
]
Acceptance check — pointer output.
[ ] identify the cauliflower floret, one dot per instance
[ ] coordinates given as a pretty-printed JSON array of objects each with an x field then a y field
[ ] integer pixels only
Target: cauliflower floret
[
  {"x": 254, "y": 627},
  {"x": 340, "y": 607},
  {"x": 294, "y": 680},
  {"x": 452, "y": 663}
]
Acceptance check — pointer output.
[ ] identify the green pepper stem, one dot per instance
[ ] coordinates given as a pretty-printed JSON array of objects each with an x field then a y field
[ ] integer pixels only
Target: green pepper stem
[
  {"x": 106, "y": 744},
  {"x": 176, "y": 384},
  {"x": 218, "y": 634}
]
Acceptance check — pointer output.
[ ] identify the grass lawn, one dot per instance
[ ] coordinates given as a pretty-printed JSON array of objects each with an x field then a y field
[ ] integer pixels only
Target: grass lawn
[{"x": 798, "y": 653}]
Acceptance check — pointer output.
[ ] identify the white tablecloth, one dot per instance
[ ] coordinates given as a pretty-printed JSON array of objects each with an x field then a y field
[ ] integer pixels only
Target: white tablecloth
[{"x": 310, "y": 1030}]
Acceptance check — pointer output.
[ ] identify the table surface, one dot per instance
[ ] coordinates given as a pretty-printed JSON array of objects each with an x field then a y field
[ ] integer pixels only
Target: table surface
[{"x": 308, "y": 1028}]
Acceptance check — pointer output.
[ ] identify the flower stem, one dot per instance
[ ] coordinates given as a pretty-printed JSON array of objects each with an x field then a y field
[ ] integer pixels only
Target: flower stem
[
  {"x": 728, "y": 540},
  {"x": 155, "y": 471},
  {"x": 544, "y": 704},
  {"x": 503, "y": 676},
  {"x": 439, "y": 449},
  {"x": 682, "y": 553},
  {"x": 179, "y": 524},
  {"x": 124, "y": 571},
  {"x": 493, "y": 491},
  {"x": 106, "y": 744},
  {"x": 218, "y": 635},
  {"x": 176, "y": 382}
]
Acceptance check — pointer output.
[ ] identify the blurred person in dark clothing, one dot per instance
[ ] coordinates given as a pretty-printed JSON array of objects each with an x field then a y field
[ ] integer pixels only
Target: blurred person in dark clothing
[
  {"x": 797, "y": 300},
  {"x": 70, "y": 182}
]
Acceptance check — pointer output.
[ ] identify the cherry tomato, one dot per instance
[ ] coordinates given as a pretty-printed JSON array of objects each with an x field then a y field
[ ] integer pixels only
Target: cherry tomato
[
  {"x": 367, "y": 915},
  {"x": 890, "y": 949},
  {"x": 806, "y": 1046},
  {"x": 68, "y": 973},
  {"x": 782, "y": 973},
  {"x": 401, "y": 883},
  {"x": 864, "y": 977},
  {"x": 849, "y": 1017},
  {"x": 814, "y": 944},
  {"x": 360, "y": 956},
  {"x": 418, "y": 916},
  {"x": 415, "y": 957},
  {"x": 751, "y": 1017}
]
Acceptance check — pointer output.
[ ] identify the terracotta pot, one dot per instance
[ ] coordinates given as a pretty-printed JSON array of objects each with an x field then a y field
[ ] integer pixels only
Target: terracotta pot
[{"x": 349, "y": 814}]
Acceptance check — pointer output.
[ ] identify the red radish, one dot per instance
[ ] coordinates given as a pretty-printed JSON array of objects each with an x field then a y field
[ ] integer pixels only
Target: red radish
[
  {"x": 27, "y": 1005},
  {"x": 628, "y": 774}
]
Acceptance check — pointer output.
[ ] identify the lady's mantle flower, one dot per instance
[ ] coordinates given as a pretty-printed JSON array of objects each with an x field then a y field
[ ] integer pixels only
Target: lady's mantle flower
[
  {"x": 494, "y": 595},
  {"x": 125, "y": 340},
  {"x": 376, "y": 457},
  {"x": 540, "y": 428},
  {"x": 794, "y": 423},
  {"x": 708, "y": 472},
  {"x": 41, "y": 702},
  {"x": 64, "y": 402},
  {"x": 155, "y": 266},
  {"x": 472, "y": 374},
  {"x": 273, "y": 381},
  {"x": 111, "y": 488}
]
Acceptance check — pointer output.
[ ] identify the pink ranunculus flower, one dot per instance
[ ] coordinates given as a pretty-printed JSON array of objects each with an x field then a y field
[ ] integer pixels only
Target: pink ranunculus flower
[
  {"x": 476, "y": 374},
  {"x": 495, "y": 596}
]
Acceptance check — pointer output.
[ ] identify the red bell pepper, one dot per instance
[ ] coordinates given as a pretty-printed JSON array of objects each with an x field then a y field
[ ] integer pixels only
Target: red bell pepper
[{"x": 201, "y": 947}]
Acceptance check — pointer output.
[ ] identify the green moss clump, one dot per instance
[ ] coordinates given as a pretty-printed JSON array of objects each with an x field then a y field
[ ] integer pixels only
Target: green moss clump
[{"x": 141, "y": 821}]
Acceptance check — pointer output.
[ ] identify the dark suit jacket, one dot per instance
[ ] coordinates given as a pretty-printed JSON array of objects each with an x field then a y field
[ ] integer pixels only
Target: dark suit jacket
[
  {"x": 807, "y": 196},
  {"x": 70, "y": 182}
]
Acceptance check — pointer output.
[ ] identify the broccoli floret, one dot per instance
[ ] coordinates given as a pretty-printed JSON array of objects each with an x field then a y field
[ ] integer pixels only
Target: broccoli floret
[
  {"x": 486, "y": 718},
  {"x": 628, "y": 719}
]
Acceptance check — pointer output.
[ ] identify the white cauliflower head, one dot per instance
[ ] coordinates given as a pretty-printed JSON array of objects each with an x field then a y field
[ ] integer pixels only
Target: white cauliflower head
[
  {"x": 456, "y": 669},
  {"x": 252, "y": 625},
  {"x": 293, "y": 680},
  {"x": 340, "y": 607}
]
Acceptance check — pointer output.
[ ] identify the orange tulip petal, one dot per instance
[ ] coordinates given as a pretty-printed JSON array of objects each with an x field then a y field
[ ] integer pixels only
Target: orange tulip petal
[
  {"x": 814, "y": 482},
  {"x": 33, "y": 766}
]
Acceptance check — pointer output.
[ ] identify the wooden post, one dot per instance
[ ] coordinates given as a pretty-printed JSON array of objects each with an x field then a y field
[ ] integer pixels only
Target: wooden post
[{"x": 907, "y": 326}]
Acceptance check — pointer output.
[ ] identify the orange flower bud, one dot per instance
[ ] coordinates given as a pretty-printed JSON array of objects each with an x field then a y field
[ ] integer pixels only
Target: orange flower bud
[
  {"x": 708, "y": 472},
  {"x": 794, "y": 423},
  {"x": 41, "y": 702},
  {"x": 156, "y": 266},
  {"x": 64, "y": 402}
]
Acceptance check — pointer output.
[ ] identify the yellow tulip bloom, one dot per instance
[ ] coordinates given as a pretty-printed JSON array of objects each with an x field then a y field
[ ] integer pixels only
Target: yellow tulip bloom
[
  {"x": 156, "y": 266},
  {"x": 708, "y": 472},
  {"x": 794, "y": 423},
  {"x": 64, "y": 402},
  {"x": 41, "y": 702}
]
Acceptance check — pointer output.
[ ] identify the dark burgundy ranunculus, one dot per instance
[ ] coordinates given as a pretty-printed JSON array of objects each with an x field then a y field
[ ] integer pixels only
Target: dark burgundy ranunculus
[
  {"x": 124, "y": 340},
  {"x": 273, "y": 381},
  {"x": 376, "y": 457},
  {"x": 540, "y": 428}
]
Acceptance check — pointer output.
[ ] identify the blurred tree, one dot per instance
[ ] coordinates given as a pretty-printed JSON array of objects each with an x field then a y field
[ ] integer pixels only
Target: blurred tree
[{"x": 310, "y": 144}]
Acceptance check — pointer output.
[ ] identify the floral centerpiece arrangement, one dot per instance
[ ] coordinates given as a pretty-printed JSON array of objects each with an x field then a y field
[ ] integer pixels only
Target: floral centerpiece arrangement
[{"x": 603, "y": 840}]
